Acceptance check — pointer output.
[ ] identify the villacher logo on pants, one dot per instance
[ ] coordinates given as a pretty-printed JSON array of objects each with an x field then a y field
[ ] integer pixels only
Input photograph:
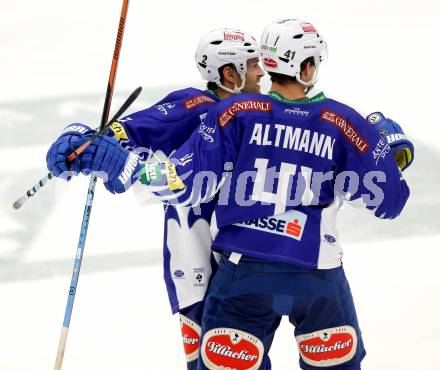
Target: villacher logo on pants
[
  {"x": 191, "y": 337},
  {"x": 328, "y": 347},
  {"x": 227, "y": 348}
]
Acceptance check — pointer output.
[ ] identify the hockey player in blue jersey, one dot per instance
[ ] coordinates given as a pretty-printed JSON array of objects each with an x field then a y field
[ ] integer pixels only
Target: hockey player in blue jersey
[
  {"x": 286, "y": 164},
  {"x": 229, "y": 60},
  {"x": 291, "y": 163}
]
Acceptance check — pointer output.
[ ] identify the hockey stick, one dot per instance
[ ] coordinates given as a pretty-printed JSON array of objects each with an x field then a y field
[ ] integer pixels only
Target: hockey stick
[
  {"x": 31, "y": 192},
  {"x": 90, "y": 195},
  {"x": 72, "y": 156}
]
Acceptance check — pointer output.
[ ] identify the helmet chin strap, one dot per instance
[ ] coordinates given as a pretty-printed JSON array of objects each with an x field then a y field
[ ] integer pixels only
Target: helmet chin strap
[
  {"x": 236, "y": 90},
  {"x": 309, "y": 85},
  {"x": 307, "y": 89}
]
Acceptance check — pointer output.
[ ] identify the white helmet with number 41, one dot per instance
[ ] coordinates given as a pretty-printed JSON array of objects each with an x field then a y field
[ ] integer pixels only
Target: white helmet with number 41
[
  {"x": 285, "y": 44},
  {"x": 225, "y": 46}
]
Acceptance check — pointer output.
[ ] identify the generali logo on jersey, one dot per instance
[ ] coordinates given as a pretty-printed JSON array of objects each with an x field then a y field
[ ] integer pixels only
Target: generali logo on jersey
[
  {"x": 346, "y": 128},
  {"x": 227, "y": 348},
  {"x": 290, "y": 224},
  {"x": 328, "y": 347},
  {"x": 233, "y": 36},
  {"x": 241, "y": 106},
  {"x": 196, "y": 101},
  {"x": 191, "y": 337}
]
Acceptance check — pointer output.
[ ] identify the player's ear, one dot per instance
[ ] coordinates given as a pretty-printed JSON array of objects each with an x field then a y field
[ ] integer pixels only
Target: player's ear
[
  {"x": 308, "y": 72},
  {"x": 228, "y": 76}
]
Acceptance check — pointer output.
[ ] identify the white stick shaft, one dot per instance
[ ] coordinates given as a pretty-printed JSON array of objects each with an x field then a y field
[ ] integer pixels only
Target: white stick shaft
[
  {"x": 61, "y": 348},
  {"x": 31, "y": 192}
]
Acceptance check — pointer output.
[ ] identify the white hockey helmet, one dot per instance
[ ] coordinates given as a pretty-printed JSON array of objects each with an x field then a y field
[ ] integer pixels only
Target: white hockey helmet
[
  {"x": 225, "y": 46},
  {"x": 286, "y": 43}
]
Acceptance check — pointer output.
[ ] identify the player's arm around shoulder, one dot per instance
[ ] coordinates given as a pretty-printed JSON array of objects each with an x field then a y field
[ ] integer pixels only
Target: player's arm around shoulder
[
  {"x": 214, "y": 141},
  {"x": 210, "y": 153},
  {"x": 218, "y": 138},
  {"x": 211, "y": 146},
  {"x": 165, "y": 125},
  {"x": 175, "y": 180},
  {"x": 368, "y": 154}
]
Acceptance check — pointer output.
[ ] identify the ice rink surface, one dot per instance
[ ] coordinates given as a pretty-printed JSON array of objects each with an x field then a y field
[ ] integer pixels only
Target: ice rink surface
[{"x": 55, "y": 59}]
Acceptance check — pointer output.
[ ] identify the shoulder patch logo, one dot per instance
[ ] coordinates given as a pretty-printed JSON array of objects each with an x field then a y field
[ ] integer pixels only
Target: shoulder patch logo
[
  {"x": 196, "y": 101},
  {"x": 347, "y": 130},
  {"x": 374, "y": 118},
  {"x": 241, "y": 106}
]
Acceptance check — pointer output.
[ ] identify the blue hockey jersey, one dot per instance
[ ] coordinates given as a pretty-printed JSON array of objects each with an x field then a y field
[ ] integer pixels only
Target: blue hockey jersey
[
  {"x": 187, "y": 239},
  {"x": 166, "y": 125},
  {"x": 285, "y": 168}
]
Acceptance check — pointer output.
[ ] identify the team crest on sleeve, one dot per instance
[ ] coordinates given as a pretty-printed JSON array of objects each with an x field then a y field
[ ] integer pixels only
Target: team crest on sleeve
[
  {"x": 374, "y": 118},
  {"x": 347, "y": 129},
  {"x": 227, "y": 348},
  {"x": 328, "y": 347},
  {"x": 241, "y": 106},
  {"x": 191, "y": 338},
  {"x": 196, "y": 101}
]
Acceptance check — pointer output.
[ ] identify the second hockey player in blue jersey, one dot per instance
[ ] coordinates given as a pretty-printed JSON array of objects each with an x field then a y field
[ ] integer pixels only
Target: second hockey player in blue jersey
[{"x": 229, "y": 60}]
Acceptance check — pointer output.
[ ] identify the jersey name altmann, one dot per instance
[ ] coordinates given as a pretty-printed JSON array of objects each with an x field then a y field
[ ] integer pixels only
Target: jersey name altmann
[{"x": 294, "y": 138}]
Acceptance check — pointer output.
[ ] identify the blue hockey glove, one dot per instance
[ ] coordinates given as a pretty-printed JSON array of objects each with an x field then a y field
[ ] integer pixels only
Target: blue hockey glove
[
  {"x": 402, "y": 148},
  {"x": 117, "y": 166},
  {"x": 56, "y": 158}
]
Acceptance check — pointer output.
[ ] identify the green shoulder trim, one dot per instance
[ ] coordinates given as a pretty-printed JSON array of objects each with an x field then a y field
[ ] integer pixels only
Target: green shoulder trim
[
  {"x": 213, "y": 93},
  {"x": 314, "y": 99}
]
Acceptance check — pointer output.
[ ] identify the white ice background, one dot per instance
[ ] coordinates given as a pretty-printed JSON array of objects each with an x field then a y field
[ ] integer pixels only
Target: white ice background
[{"x": 55, "y": 58}]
